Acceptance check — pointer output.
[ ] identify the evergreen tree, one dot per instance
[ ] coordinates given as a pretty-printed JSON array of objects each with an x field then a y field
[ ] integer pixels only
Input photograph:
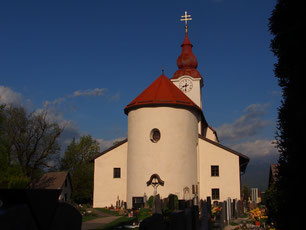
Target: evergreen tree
[{"x": 287, "y": 24}]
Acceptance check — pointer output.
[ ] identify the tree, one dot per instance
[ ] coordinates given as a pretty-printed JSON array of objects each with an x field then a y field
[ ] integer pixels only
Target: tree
[
  {"x": 245, "y": 192},
  {"x": 77, "y": 161},
  {"x": 28, "y": 144},
  {"x": 287, "y": 24}
]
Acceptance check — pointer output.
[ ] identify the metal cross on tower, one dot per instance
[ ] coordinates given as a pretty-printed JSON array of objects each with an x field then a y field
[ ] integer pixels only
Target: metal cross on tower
[{"x": 186, "y": 18}]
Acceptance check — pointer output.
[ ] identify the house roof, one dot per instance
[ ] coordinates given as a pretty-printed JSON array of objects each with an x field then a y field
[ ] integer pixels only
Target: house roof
[
  {"x": 187, "y": 62},
  {"x": 243, "y": 159},
  {"x": 162, "y": 92},
  {"x": 51, "y": 180},
  {"x": 109, "y": 149}
]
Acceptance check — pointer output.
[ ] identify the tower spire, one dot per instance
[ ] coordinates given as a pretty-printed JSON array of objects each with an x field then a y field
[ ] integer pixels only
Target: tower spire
[
  {"x": 186, "y": 18},
  {"x": 187, "y": 62}
]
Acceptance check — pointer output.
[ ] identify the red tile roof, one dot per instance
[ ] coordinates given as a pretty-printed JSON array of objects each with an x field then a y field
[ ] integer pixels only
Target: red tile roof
[{"x": 162, "y": 92}]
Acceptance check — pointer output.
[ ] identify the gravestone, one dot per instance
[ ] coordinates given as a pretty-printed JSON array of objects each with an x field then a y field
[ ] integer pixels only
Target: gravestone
[
  {"x": 66, "y": 217},
  {"x": 239, "y": 208},
  {"x": 171, "y": 202},
  {"x": 229, "y": 209},
  {"x": 177, "y": 220},
  {"x": 189, "y": 203},
  {"x": 157, "y": 205},
  {"x": 233, "y": 208},
  {"x": 195, "y": 218},
  {"x": 209, "y": 206},
  {"x": 36, "y": 209},
  {"x": 154, "y": 222},
  {"x": 223, "y": 213},
  {"x": 181, "y": 204},
  {"x": 125, "y": 205},
  {"x": 204, "y": 216},
  {"x": 188, "y": 219}
]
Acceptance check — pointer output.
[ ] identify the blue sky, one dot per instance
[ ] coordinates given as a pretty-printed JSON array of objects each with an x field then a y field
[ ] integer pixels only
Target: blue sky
[{"x": 86, "y": 60}]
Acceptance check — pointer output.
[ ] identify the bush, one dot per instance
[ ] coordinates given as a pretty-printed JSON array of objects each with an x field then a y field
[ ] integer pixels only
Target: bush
[
  {"x": 144, "y": 213},
  {"x": 150, "y": 201},
  {"x": 18, "y": 182}
]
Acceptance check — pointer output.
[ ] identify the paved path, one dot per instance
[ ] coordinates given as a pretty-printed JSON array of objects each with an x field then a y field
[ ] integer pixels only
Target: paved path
[
  {"x": 103, "y": 219},
  {"x": 98, "y": 223}
]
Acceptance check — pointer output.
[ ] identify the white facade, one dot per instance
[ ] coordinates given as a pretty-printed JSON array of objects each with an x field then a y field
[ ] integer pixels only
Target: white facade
[
  {"x": 169, "y": 164},
  {"x": 228, "y": 181},
  {"x": 173, "y": 157},
  {"x": 108, "y": 189}
]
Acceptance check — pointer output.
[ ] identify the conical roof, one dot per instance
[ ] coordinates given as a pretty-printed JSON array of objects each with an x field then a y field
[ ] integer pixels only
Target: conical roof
[{"x": 162, "y": 92}]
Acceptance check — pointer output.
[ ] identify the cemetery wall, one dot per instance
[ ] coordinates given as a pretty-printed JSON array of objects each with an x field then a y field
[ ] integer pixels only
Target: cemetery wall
[
  {"x": 106, "y": 187},
  {"x": 228, "y": 180},
  {"x": 173, "y": 157}
]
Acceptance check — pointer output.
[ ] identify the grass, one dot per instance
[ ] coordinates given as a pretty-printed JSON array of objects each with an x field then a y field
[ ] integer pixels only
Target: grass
[
  {"x": 113, "y": 213},
  {"x": 89, "y": 217},
  {"x": 123, "y": 220}
]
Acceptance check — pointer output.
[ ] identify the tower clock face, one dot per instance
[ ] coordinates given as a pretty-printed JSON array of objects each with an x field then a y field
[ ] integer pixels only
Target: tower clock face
[{"x": 185, "y": 85}]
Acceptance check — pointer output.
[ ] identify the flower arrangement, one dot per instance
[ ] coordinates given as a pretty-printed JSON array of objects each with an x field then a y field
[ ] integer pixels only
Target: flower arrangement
[
  {"x": 258, "y": 215},
  {"x": 216, "y": 211}
]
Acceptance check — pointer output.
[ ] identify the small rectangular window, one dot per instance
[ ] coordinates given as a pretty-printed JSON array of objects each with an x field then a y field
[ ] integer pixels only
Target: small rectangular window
[
  {"x": 117, "y": 172},
  {"x": 215, "y": 194},
  {"x": 215, "y": 170}
]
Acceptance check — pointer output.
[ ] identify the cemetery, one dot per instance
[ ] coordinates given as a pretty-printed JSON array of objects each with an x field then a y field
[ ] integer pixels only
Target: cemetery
[{"x": 172, "y": 213}]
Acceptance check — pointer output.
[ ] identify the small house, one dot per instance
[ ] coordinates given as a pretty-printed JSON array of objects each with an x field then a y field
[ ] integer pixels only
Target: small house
[{"x": 56, "y": 180}]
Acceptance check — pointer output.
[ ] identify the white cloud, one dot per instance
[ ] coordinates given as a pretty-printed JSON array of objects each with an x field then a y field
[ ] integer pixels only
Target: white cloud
[
  {"x": 89, "y": 92},
  {"x": 10, "y": 97},
  {"x": 257, "y": 148},
  {"x": 248, "y": 125},
  {"x": 57, "y": 101}
]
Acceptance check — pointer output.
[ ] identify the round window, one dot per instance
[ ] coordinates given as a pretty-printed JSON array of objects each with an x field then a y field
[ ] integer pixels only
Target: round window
[{"x": 155, "y": 135}]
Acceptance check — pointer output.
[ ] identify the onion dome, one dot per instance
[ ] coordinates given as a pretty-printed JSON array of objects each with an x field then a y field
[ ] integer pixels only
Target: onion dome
[
  {"x": 187, "y": 62},
  {"x": 162, "y": 92}
]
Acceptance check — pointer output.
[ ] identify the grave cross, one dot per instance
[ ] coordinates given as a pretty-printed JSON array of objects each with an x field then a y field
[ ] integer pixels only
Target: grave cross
[{"x": 155, "y": 181}]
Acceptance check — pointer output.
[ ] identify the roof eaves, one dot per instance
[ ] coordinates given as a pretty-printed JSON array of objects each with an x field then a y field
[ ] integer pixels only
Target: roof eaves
[
  {"x": 243, "y": 159},
  {"x": 109, "y": 149}
]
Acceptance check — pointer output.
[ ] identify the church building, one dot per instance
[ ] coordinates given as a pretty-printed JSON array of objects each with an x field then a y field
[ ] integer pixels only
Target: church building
[{"x": 168, "y": 136}]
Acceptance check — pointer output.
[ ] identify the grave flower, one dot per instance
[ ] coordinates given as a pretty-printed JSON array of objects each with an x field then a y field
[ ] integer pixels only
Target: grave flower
[{"x": 216, "y": 211}]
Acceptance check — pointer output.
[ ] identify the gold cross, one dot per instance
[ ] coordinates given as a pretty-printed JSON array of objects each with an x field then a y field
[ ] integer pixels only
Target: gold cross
[{"x": 186, "y": 18}]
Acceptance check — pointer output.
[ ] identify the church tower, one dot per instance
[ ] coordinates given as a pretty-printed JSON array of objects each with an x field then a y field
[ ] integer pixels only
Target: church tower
[{"x": 187, "y": 78}]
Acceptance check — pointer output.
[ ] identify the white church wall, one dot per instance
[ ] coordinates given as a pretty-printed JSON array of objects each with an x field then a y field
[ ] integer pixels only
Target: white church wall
[
  {"x": 173, "y": 157},
  {"x": 106, "y": 187},
  {"x": 228, "y": 181},
  {"x": 210, "y": 134}
]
